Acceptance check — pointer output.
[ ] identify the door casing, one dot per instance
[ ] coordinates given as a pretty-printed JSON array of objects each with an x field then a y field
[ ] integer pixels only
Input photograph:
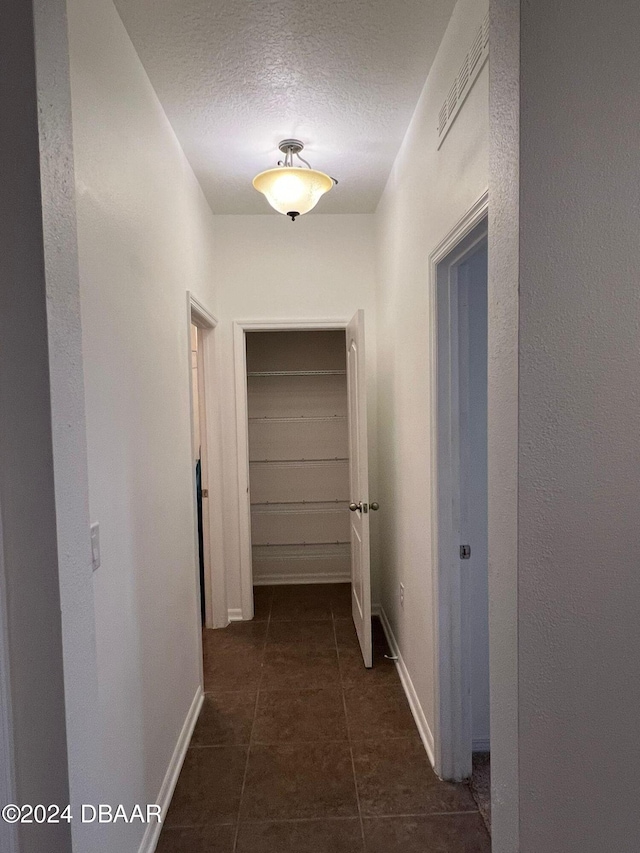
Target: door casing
[{"x": 240, "y": 329}]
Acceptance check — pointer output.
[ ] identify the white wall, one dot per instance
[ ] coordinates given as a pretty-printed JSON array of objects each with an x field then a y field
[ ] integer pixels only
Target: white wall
[
  {"x": 427, "y": 193},
  {"x": 144, "y": 233},
  {"x": 320, "y": 267},
  {"x": 43, "y": 477},
  {"x": 570, "y": 303},
  {"x": 502, "y": 421},
  {"x": 33, "y": 720}
]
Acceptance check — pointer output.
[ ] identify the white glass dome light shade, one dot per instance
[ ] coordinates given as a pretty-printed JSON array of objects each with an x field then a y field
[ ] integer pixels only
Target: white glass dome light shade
[{"x": 292, "y": 190}]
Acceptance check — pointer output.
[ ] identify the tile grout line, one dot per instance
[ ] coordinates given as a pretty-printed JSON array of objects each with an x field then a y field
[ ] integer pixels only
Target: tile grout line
[
  {"x": 352, "y": 817},
  {"x": 346, "y": 717},
  {"x": 336, "y": 818},
  {"x": 253, "y": 723},
  {"x": 420, "y": 814},
  {"x": 202, "y": 746}
]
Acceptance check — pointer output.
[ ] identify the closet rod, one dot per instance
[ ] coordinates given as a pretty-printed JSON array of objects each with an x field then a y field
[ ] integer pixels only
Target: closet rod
[
  {"x": 301, "y": 503},
  {"x": 299, "y": 418},
  {"x": 296, "y": 373},
  {"x": 280, "y": 461},
  {"x": 298, "y": 544}
]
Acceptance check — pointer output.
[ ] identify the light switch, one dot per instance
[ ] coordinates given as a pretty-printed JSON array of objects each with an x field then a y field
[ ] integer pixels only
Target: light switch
[{"x": 95, "y": 545}]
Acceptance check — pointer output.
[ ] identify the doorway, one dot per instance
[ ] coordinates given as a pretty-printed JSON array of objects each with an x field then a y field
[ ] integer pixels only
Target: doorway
[
  {"x": 302, "y": 461},
  {"x": 472, "y": 321},
  {"x": 298, "y": 457},
  {"x": 206, "y": 464},
  {"x": 202, "y": 493},
  {"x": 460, "y": 496}
]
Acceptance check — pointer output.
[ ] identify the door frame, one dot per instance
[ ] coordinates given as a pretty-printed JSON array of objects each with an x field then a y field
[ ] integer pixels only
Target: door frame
[
  {"x": 211, "y": 462},
  {"x": 452, "y": 723},
  {"x": 240, "y": 329}
]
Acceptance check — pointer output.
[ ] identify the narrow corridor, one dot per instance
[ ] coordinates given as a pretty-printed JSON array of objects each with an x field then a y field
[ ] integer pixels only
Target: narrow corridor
[{"x": 300, "y": 749}]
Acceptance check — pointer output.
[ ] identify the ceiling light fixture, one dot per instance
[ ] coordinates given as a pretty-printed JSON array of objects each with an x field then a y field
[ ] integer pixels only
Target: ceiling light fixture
[{"x": 293, "y": 190}]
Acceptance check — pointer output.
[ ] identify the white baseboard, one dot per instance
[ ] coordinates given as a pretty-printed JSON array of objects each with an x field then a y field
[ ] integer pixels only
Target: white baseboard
[
  {"x": 235, "y": 614},
  {"x": 481, "y": 745},
  {"x": 425, "y": 732},
  {"x": 317, "y": 577},
  {"x": 152, "y": 832}
]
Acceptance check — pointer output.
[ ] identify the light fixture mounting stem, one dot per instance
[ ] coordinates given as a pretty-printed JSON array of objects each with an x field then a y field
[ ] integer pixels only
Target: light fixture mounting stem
[
  {"x": 291, "y": 148},
  {"x": 291, "y": 145}
]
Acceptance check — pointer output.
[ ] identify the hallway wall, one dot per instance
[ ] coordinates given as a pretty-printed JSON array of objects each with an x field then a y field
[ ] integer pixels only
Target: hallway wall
[
  {"x": 39, "y": 381},
  {"x": 427, "y": 193},
  {"x": 322, "y": 266},
  {"x": 564, "y": 459},
  {"x": 144, "y": 232}
]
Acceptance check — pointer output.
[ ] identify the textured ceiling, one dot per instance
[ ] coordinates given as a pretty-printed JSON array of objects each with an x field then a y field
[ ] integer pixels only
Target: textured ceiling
[{"x": 236, "y": 77}]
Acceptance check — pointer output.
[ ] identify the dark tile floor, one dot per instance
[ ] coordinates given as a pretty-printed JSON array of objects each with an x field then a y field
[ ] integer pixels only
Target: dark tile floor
[
  {"x": 481, "y": 785},
  {"x": 300, "y": 749}
]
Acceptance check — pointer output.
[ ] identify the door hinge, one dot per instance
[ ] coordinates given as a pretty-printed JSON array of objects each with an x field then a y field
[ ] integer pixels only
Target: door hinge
[
  {"x": 465, "y": 552},
  {"x": 205, "y": 493}
]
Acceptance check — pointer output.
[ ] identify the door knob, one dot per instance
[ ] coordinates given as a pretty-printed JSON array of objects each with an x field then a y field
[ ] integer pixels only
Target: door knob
[
  {"x": 353, "y": 507},
  {"x": 375, "y": 506}
]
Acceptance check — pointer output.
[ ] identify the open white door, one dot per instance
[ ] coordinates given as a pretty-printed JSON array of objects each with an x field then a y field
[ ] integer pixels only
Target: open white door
[{"x": 359, "y": 485}]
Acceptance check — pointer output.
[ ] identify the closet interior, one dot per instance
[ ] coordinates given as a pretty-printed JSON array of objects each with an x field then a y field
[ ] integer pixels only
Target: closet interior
[{"x": 298, "y": 456}]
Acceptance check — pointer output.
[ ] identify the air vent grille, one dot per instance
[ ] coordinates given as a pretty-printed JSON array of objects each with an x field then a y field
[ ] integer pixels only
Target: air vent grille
[
  {"x": 443, "y": 116},
  {"x": 463, "y": 75},
  {"x": 463, "y": 83},
  {"x": 476, "y": 50},
  {"x": 452, "y": 100}
]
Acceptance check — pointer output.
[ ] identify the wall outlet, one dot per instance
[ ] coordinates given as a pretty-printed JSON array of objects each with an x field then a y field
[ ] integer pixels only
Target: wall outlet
[
  {"x": 95, "y": 545},
  {"x": 402, "y": 595}
]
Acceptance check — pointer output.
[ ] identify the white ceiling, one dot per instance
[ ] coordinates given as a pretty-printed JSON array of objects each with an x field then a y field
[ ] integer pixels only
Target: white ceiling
[{"x": 237, "y": 76}]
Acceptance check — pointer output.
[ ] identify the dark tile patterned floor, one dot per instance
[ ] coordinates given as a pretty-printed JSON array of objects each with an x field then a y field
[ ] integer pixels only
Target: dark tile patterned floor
[
  {"x": 481, "y": 785},
  {"x": 300, "y": 749}
]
